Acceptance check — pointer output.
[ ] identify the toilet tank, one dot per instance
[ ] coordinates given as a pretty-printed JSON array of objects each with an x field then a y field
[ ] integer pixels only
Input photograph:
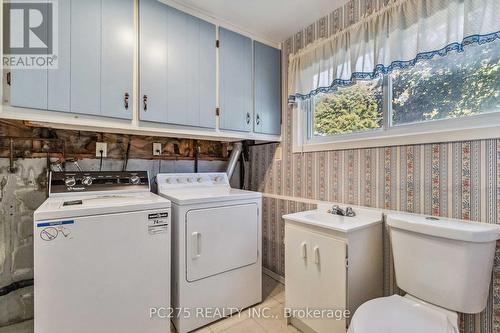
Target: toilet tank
[{"x": 444, "y": 262}]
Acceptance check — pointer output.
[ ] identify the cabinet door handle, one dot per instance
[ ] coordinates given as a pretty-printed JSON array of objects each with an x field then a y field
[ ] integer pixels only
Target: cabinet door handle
[
  {"x": 303, "y": 250},
  {"x": 316, "y": 255},
  {"x": 196, "y": 247},
  {"x": 257, "y": 119},
  {"x": 125, "y": 100},
  {"x": 248, "y": 118},
  {"x": 145, "y": 102}
]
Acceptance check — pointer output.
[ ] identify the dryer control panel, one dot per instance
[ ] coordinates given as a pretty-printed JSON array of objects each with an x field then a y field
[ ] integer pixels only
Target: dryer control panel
[
  {"x": 176, "y": 180},
  {"x": 97, "y": 181}
]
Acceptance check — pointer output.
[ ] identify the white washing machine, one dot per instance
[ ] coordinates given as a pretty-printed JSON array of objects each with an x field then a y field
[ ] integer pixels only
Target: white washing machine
[
  {"x": 102, "y": 255},
  {"x": 216, "y": 247}
]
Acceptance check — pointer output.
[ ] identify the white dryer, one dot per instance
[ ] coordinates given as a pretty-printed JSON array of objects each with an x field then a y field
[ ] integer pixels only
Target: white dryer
[
  {"x": 102, "y": 255},
  {"x": 216, "y": 247}
]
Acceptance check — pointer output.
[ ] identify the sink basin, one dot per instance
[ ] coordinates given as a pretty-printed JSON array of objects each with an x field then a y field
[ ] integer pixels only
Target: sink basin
[
  {"x": 320, "y": 218},
  {"x": 328, "y": 218}
]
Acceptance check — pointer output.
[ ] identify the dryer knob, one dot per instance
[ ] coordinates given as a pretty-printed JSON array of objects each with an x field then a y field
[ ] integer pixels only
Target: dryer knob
[{"x": 70, "y": 181}]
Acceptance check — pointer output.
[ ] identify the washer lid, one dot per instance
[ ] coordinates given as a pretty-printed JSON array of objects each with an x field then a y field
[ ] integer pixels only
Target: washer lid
[
  {"x": 76, "y": 206},
  {"x": 188, "y": 196},
  {"x": 402, "y": 314}
]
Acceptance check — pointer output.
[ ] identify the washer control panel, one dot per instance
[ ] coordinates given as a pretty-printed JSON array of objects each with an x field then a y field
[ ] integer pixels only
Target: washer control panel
[
  {"x": 176, "y": 180},
  {"x": 92, "y": 181}
]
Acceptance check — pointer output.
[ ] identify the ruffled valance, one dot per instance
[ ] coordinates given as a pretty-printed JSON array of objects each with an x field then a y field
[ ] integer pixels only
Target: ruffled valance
[{"x": 396, "y": 37}]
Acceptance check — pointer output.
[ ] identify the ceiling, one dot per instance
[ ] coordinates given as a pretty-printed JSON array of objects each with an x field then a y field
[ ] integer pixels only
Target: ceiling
[{"x": 272, "y": 20}]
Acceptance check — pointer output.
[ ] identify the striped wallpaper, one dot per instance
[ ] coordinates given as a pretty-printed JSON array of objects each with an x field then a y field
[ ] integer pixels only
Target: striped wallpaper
[{"x": 460, "y": 179}]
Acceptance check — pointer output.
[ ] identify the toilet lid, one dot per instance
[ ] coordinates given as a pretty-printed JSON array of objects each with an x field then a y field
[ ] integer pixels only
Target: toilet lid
[{"x": 396, "y": 314}]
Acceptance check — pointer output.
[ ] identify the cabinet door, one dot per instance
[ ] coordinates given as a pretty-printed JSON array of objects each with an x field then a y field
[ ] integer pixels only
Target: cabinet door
[
  {"x": 315, "y": 274},
  {"x": 297, "y": 286},
  {"x": 236, "y": 93},
  {"x": 328, "y": 277},
  {"x": 86, "y": 57},
  {"x": 208, "y": 253},
  {"x": 267, "y": 85},
  {"x": 177, "y": 66},
  {"x": 59, "y": 79},
  {"x": 28, "y": 86},
  {"x": 117, "y": 58},
  {"x": 191, "y": 70},
  {"x": 153, "y": 60}
]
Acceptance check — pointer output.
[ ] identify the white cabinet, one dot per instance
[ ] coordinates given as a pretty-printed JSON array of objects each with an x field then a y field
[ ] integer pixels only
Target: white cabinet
[{"x": 331, "y": 272}]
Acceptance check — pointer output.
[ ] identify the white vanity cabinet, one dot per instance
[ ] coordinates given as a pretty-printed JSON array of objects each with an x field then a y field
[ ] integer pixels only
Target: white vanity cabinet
[{"x": 333, "y": 264}]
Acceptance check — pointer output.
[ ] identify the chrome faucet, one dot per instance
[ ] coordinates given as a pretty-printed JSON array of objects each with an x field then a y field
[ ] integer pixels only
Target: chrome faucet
[{"x": 336, "y": 210}]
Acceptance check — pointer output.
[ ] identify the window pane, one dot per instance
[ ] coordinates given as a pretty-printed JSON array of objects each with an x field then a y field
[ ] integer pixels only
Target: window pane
[
  {"x": 457, "y": 85},
  {"x": 351, "y": 109}
]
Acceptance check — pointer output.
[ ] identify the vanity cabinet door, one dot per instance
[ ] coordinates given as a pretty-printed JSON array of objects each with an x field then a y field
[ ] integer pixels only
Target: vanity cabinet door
[
  {"x": 236, "y": 93},
  {"x": 328, "y": 278},
  {"x": 267, "y": 86},
  {"x": 316, "y": 276}
]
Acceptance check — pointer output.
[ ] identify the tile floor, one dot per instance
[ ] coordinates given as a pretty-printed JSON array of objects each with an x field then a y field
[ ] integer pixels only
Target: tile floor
[{"x": 273, "y": 295}]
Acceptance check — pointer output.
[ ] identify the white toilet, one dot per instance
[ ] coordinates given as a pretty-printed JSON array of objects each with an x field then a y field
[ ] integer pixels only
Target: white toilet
[{"x": 444, "y": 266}]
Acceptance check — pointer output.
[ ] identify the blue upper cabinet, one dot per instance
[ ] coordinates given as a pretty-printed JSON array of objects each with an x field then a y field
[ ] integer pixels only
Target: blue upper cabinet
[
  {"x": 117, "y": 58},
  {"x": 177, "y": 67},
  {"x": 236, "y": 93},
  {"x": 86, "y": 57},
  {"x": 29, "y": 86},
  {"x": 267, "y": 86},
  {"x": 95, "y": 55}
]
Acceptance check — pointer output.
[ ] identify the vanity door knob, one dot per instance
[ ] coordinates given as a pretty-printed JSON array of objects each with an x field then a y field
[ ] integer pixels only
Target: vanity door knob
[
  {"x": 303, "y": 250},
  {"x": 316, "y": 255}
]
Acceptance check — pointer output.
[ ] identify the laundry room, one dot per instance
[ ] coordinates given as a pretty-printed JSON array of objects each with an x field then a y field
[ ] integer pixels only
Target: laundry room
[{"x": 319, "y": 166}]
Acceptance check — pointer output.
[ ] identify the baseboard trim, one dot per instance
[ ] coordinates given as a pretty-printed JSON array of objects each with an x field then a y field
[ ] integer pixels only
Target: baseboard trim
[{"x": 273, "y": 275}]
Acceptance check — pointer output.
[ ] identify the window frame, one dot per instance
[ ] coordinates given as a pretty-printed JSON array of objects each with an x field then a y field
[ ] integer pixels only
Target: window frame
[{"x": 480, "y": 126}]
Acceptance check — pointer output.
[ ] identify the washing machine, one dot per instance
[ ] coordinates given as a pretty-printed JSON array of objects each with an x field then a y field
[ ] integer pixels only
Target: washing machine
[
  {"x": 102, "y": 255},
  {"x": 216, "y": 247}
]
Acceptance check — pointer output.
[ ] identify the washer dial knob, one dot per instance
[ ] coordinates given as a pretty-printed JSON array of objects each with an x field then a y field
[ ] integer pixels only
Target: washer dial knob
[
  {"x": 87, "y": 181},
  {"x": 135, "y": 180},
  {"x": 70, "y": 181}
]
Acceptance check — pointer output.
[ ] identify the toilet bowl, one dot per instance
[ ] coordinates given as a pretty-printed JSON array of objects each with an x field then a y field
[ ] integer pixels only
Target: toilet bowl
[
  {"x": 444, "y": 267},
  {"x": 402, "y": 314}
]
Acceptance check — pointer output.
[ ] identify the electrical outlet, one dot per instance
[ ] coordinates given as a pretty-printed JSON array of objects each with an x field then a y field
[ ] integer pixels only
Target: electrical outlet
[
  {"x": 156, "y": 149},
  {"x": 101, "y": 146},
  {"x": 278, "y": 154}
]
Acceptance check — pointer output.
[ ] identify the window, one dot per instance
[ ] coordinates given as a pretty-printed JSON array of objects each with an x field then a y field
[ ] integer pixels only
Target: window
[
  {"x": 458, "y": 92},
  {"x": 458, "y": 85},
  {"x": 351, "y": 109}
]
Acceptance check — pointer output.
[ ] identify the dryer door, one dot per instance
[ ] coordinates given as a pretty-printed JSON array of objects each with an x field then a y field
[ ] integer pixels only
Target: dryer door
[{"x": 220, "y": 239}]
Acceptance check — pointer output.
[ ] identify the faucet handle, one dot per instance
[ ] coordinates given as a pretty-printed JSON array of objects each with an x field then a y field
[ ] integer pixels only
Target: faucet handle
[
  {"x": 349, "y": 212},
  {"x": 336, "y": 210}
]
